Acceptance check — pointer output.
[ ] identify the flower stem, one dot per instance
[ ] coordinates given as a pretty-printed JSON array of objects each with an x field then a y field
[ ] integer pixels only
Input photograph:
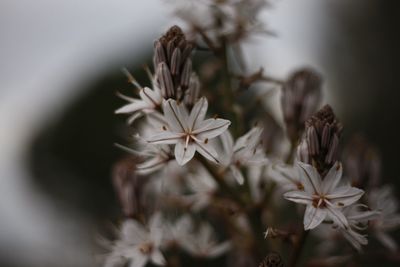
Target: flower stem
[{"x": 298, "y": 248}]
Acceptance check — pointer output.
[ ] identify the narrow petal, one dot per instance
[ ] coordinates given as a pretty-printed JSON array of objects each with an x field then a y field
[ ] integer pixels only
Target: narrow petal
[
  {"x": 198, "y": 113},
  {"x": 211, "y": 128},
  {"x": 355, "y": 239},
  {"x": 313, "y": 217},
  {"x": 237, "y": 174},
  {"x": 150, "y": 97},
  {"x": 174, "y": 116},
  {"x": 332, "y": 179},
  {"x": 157, "y": 257},
  {"x": 207, "y": 151},
  {"x": 298, "y": 197},
  {"x": 151, "y": 165},
  {"x": 311, "y": 177},
  {"x": 344, "y": 196},
  {"x": 337, "y": 216},
  {"x": 133, "y": 232},
  {"x": 227, "y": 143},
  {"x": 132, "y": 107},
  {"x": 138, "y": 260},
  {"x": 387, "y": 241},
  {"x": 219, "y": 249},
  {"x": 184, "y": 153},
  {"x": 165, "y": 138}
]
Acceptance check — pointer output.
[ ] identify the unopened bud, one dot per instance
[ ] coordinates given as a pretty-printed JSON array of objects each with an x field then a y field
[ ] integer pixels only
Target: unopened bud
[
  {"x": 175, "y": 61},
  {"x": 165, "y": 80},
  {"x": 301, "y": 95},
  {"x": 272, "y": 260},
  {"x": 322, "y": 136}
]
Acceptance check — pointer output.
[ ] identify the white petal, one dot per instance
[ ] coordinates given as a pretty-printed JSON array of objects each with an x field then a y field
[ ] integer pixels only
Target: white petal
[
  {"x": 313, "y": 217},
  {"x": 207, "y": 151},
  {"x": 298, "y": 197},
  {"x": 132, "y": 107},
  {"x": 387, "y": 241},
  {"x": 227, "y": 143},
  {"x": 237, "y": 174},
  {"x": 355, "y": 239},
  {"x": 133, "y": 232},
  {"x": 337, "y": 216},
  {"x": 151, "y": 97},
  {"x": 310, "y": 177},
  {"x": 165, "y": 137},
  {"x": 157, "y": 257},
  {"x": 344, "y": 196},
  {"x": 139, "y": 260},
  {"x": 151, "y": 165},
  {"x": 211, "y": 128},
  {"x": 250, "y": 139},
  {"x": 198, "y": 113},
  {"x": 332, "y": 179},
  {"x": 184, "y": 153},
  {"x": 176, "y": 118},
  {"x": 219, "y": 249}
]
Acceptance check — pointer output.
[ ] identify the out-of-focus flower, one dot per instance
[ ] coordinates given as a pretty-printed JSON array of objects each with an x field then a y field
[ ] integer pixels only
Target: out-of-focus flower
[
  {"x": 199, "y": 241},
  {"x": 202, "y": 188},
  {"x": 189, "y": 133},
  {"x": 324, "y": 198},
  {"x": 301, "y": 95},
  {"x": 245, "y": 152},
  {"x": 149, "y": 101},
  {"x": 286, "y": 176},
  {"x": 362, "y": 163},
  {"x": 137, "y": 244},
  {"x": 385, "y": 202},
  {"x": 321, "y": 140},
  {"x": 358, "y": 217}
]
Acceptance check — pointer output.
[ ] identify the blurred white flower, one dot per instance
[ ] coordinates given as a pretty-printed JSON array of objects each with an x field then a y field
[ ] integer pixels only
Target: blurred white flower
[
  {"x": 383, "y": 200},
  {"x": 201, "y": 241},
  {"x": 324, "y": 198},
  {"x": 149, "y": 101},
  {"x": 286, "y": 176},
  {"x": 189, "y": 133},
  {"x": 138, "y": 244},
  {"x": 245, "y": 152},
  {"x": 202, "y": 186}
]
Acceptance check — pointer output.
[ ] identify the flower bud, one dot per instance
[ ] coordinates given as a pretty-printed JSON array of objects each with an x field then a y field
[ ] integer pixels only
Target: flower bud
[
  {"x": 301, "y": 95},
  {"x": 321, "y": 139},
  {"x": 272, "y": 260}
]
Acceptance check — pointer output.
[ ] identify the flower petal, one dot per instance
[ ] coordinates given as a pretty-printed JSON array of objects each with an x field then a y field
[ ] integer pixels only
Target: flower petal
[
  {"x": 211, "y": 128},
  {"x": 219, "y": 249},
  {"x": 237, "y": 174},
  {"x": 132, "y": 107},
  {"x": 332, "y": 179},
  {"x": 337, "y": 216},
  {"x": 198, "y": 113},
  {"x": 175, "y": 115},
  {"x": 184, "y": 153},
  {"x": 157, "y": 257},
  {"x": 313, "y": 217},
  {"x": 310, "y": 177},
  {"x": 138, "y": 259},
  {"x": 298, "y": 197},
  {"x": 344, "y": 196},
  {"x": 150, "y": 97},
  {"x": 207, "y": 151},
  {"x": 165, "y": 137}
]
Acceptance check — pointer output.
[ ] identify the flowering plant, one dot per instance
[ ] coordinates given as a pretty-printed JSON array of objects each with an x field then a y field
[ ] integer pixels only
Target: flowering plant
[{"x": 204, "y": 186}]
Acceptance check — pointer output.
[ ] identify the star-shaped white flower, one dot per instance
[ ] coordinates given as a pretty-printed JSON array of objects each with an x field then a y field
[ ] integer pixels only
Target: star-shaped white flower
[
  {"x": 138, "y": 244},
  {"x": 189, "y": 133},
  {"x": 245, "y": 152},
  {"x": 324, "y": 198},
  {"x": 149, "y": 101}
]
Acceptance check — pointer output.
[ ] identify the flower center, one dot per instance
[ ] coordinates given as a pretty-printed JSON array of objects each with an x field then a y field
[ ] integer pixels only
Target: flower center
[
  {"x": 319, "y": 201},
  {"x": 146, "y": 248}
]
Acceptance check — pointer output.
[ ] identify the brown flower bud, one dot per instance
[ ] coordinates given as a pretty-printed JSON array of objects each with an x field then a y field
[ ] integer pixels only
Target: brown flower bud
[
  {"x": 272, "y": 260},
  {"x": 322, "y": 140},
  {"x": 172, "y": 52},
  {"x": 301, "y": 95},
  {"x": 127, "y": 186}
]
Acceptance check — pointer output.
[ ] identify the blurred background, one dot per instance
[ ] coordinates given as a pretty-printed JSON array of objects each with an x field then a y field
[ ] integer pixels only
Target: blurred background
[{"x": 59, "y": 71}]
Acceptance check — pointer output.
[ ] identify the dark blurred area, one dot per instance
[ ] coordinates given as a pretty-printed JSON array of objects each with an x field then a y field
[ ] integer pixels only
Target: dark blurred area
[{"x": 71, "y": 158}]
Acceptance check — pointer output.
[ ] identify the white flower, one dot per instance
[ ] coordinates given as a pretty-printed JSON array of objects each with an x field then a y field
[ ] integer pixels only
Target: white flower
[
  {"x": 189, "y": 133},
  {"x": 137, "y": 244},
  {"x": 200, "y": 242},
  {"x": 358, "y": 217},
  {"x": 202, "y": 186},
  {"x": 324, "y": 198},
  {"x": 383, "y": 200},
  {"x": 286, "y": 176},
  {"x": 149, "y": 101},
  {"x": 245, "y": 152}
]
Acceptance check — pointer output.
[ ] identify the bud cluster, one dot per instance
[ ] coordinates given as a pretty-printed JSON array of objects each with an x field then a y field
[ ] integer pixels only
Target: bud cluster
[
  {"x": 301, "y": 95},
  {"x": 172, "y": 64},
  {"x": 320, "y": 143}
]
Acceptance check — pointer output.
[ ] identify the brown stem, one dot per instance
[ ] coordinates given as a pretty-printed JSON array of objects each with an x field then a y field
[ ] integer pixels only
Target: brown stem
[{"x": 298, "y": 248}]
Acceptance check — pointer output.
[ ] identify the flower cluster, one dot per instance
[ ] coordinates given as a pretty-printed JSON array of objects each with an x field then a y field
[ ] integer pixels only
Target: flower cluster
[{"x": 204, "y": 187}]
